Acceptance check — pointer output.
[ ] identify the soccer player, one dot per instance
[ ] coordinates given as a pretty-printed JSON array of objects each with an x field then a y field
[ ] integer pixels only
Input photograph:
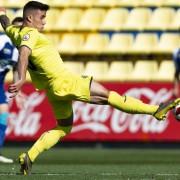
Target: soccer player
[
  {"x": 47, "y": 71},
  {"x": 176, "y": 60},
  {"x": 8, "y": 59}
]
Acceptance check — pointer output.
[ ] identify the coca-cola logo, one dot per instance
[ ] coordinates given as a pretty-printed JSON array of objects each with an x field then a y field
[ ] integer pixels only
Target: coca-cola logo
[
  {"x": 94, "y": 118},
  {"x": 26, "y": 122}
]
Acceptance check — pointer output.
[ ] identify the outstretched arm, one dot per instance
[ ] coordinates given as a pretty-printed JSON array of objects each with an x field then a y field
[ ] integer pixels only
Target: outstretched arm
[
  {"x": 4, "y": 20},
  {"x": 24, "y": 53}
]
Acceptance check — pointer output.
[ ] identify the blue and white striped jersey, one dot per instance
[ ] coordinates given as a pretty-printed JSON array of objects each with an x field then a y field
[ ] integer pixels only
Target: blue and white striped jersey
[{"x": 8, "y": 53}]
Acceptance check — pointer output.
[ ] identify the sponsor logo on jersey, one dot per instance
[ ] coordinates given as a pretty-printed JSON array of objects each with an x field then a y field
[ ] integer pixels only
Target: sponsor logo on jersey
[{"x": 26, "y": 37}]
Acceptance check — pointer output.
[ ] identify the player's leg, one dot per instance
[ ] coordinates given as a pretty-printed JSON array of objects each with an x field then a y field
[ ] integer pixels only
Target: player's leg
[
  {"x": 46, "y": 141},
  {"x": 49, "y": 138},
  {"x": 3, "y": 123},
  {"x": 64, "y": 114},
  {"x": 93, "y": 92},
  {"x": 100, "y": 95}
]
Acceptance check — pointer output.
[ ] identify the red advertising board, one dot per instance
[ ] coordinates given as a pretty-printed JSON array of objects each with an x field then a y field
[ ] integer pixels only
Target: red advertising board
[{"x": 96, "y": 122}]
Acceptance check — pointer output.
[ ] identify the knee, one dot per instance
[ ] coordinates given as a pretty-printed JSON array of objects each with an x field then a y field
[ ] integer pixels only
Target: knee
[
  {"x": 66, "y": 122},
  {"x": 64, "y": 130}
]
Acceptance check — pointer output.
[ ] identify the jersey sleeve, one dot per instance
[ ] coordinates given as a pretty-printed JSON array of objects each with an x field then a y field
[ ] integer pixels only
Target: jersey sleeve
[
  {"x": 29, "y": 39},
  {"x": 15, "y": 55}
]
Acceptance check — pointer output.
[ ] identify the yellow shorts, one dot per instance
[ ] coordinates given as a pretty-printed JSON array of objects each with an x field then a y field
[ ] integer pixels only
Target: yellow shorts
[{"x": 63, "y": 91}]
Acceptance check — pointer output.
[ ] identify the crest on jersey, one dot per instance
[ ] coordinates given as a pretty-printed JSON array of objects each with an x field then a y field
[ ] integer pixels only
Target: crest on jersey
[{"x": 26, "y": 37}]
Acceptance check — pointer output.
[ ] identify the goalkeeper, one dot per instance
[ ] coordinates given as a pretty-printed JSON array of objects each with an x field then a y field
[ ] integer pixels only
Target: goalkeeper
[{"x": 39, "y": 57}]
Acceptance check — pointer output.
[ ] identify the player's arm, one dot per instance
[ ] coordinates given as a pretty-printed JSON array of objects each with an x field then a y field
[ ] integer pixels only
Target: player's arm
[
  {"x": 21, "y": 97},
  {"x": 4, "y": 20},
  {"x": 24, "y": 53},
  {"x": 15, "y": 74}
]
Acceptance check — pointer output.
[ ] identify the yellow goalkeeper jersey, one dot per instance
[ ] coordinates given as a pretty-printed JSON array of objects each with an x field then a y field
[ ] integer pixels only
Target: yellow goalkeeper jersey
[{"x": 45, "y": 63}]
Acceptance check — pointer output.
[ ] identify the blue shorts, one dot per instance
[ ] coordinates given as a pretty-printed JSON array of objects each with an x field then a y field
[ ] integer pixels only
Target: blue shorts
[{"x": 3, "y": 98}]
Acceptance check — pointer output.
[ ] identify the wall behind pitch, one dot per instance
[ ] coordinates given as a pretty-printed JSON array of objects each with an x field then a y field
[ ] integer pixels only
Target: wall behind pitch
[{"x": 95, "y": 122}]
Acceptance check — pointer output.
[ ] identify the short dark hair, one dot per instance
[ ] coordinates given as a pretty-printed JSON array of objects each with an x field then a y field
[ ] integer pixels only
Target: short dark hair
[
  {"x": 31, "y": 5},
  {"x": 17, "y": 20}
]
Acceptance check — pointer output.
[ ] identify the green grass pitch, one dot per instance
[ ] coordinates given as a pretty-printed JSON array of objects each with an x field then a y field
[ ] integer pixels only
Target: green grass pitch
[{"x": 98, "y": 164}]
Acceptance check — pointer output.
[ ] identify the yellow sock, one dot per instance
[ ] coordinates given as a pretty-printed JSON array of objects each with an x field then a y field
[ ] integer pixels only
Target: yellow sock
[
  {"x": 130, "y": 104},
  {"x": 47, "y": 140}
]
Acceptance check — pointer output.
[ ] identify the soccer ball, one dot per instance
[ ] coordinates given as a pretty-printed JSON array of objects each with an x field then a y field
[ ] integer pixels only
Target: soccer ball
[{"x": 177, "y": 112}]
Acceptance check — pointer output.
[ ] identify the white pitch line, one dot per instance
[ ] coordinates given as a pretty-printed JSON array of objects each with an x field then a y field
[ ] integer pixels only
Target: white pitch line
[
  {"x": 8, "y": 174},
  {"x": 110, "y": 174},
  {"x": 57, "y": 174},
  {"x": 166, "y": 174},
  {"x": 40, "y": 174}
]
